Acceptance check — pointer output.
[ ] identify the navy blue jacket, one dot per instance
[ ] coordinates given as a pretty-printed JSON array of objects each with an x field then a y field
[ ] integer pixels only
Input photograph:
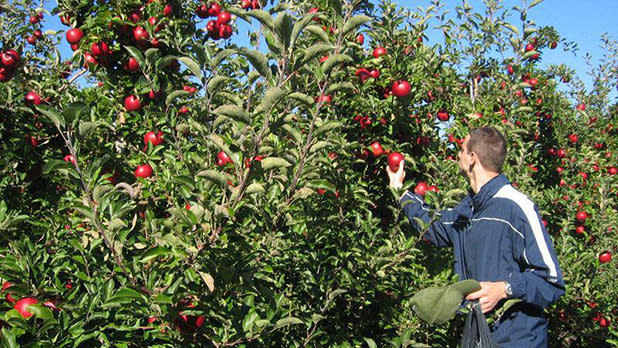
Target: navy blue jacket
[{"x": 498, "y": 235}]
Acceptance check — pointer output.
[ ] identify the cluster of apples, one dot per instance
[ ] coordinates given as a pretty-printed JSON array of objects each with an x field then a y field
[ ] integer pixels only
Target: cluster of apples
[{"x": 219, "y": 27}]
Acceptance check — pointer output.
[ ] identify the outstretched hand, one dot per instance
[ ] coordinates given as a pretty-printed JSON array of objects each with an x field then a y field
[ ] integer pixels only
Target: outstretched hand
[{"x": 396, "y": 178}]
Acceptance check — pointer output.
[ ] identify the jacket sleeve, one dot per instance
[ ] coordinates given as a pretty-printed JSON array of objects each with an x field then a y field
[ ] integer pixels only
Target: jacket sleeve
[
  {"x": 440, "y": 231},
  {"x": 539, "y": 279}
]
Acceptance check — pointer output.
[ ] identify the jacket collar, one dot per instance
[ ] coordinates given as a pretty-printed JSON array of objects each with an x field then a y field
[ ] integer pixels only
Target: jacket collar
[
  {"x": 488, "y": 190},
  {"x": 474, "y": 202}
]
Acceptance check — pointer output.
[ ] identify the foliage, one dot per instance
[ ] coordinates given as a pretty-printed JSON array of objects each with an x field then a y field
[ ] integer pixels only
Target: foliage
[{"x": 295, "y": 240}]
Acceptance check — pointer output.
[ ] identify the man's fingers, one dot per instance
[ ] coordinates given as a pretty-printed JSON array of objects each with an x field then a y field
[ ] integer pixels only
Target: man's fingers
[{"x": 400, "y": 170}]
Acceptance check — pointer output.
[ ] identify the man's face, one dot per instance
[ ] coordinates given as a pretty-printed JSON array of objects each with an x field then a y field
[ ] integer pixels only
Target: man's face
[{"x": 463, "y": 157}]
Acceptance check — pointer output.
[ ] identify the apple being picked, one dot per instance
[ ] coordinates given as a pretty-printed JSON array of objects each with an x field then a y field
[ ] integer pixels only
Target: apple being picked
[{"x": 394, "y": 159}]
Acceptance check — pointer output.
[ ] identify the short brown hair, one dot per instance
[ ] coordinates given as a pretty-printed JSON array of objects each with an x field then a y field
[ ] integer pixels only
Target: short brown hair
[{"x": 490, "y": 146}]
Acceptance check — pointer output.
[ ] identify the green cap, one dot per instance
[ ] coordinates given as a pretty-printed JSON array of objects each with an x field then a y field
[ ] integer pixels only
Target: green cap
[{"x": 437, "y": 305}]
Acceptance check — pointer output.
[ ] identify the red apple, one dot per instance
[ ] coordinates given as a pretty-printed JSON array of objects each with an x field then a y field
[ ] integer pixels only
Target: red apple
[
  {"x": 5, "y": 74},
  {"x": 376, "y": 149},
  {"x": 580, "y": 229},
  {"x": 21, "y": 306},
  {"x": 74, "y": 35},
  {"x": 140, "y": 34},
  {"x": 605, "y": 257},
  {"x": 393, "y": 160},
  {"x": 70, "y": 158},
  {"x": 132, "y": 103},
  {"x": 33, "y": 98},
  {"x": 223, "y": 159},
  {"x": 245, "y": 4},
  {"x": 509, "y": 69},
  {"x": 573, "y": 138},
  {"x": 420, "y": 188},
  {"x": 202, "y": 10},
  {"x": 529, "y": 47},
  {"x": 224, "y": 18},
  {"x": 379, "y": 51},
  {"x": 374, "y": 73},
  {"x": 143, "y": 171},
  {"x": 443, "y": 115},
  {"x": 401, "y": 89},
  {"x": 154, "y": 138},
  {"x": 360, "y": 39},
  {"x": 581, "y": 216},
  {"x": 131, "y": 65},
  {"x": 168, "y": 10},
  {"x": 225, "y": 31},
  {"x": 553, "y": 45},
  {"x": 10, "y": 59},
  {"x": 612, "y": 170},
  {"x": 215, "y": 9},
  {"x": 363, "y": 74},
  {"x": 255, "y": 4},
  {"x": 581, "y": 107}
]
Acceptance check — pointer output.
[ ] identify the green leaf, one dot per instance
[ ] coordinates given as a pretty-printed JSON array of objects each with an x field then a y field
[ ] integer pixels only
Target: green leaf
[
  {"x": 184, "y": 180},
  {"x": 370, "y": 342},
  {"x": 137, "y": 54},
  {"x": 263, "y": 17},
  {"x": 215, "y": 84},
  {"x": 8, "y": 338},
  {"x": 208, "y": 280},
  {"x": 319, "y": 32},
  {"x": 301, "y": 97},
  {"x": 337, "y": 6},
  {"x": 283, "y": 30},
  {"x": 335, "y": 60},
  {"x": 42, "y": 312},
  {"x": 272, "y": 97},
  {"x": 295, "y": 133},
  {"x": 214, "y": 176},
  {"x": 299, "y": 26},
  {"x": 86, "y": 128},
  {"x": 258, "y": 60},
  {"x": 335, "y": 293},
  {"x": 512, "y": 28},
  {"x": 250, "y": 318},
  {"x": 53, "y": 115},
  {"x": 326, "y": 126},
  {"x": 175, "y": 94},
  {"x": 234, "y": 112},
  {"x": 269, "y": 163},
  {"x": 315, "y": 51},
  {"x": 354, "y": 23},
  {"x": 287, "y": 321},
  {"x": 73, "y": 112},
  {"x": 54, "y": 164},
  {"x": 154, "y": 253},
  {"x": 534, "y": 3},
  {"x": 255, "y": 188},
  {"x": 220, "y": 57},
  {"x": 192, "y": 65},
  {"x": 340, "y": 87}
]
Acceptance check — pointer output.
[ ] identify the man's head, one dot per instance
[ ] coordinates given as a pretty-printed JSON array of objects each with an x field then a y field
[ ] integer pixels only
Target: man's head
[{"x": 485, "y": 146}]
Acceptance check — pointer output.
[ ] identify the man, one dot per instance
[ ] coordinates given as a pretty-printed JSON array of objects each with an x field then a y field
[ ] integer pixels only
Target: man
[{"x": 498, "y": 239}]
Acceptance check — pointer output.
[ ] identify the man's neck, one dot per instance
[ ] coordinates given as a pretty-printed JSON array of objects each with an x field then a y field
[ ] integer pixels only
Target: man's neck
[{"x": 480, "y": 178}]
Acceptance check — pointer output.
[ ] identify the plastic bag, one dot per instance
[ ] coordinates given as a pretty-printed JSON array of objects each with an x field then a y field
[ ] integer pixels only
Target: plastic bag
[{"x": 476, "y": 332}]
